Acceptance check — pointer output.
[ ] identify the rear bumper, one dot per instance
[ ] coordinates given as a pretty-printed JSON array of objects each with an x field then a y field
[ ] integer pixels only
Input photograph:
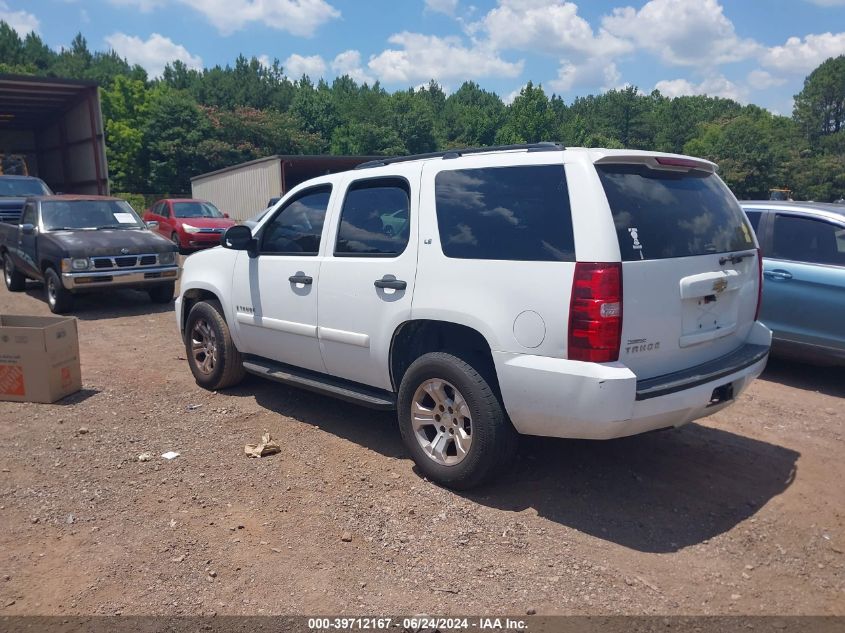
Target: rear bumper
[
  {"x": 80, "y": 281},
  {"x": 562, "y": 398}
]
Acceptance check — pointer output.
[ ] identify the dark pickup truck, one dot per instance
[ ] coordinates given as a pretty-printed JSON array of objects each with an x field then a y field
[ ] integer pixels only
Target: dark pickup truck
[
  {"x": 78, "y": 244},
  {"x": 14, "y": 190}
]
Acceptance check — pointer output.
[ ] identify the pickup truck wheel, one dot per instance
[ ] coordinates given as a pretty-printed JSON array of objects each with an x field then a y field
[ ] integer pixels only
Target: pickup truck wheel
[
  {"x": 214, "y": 360},
  {"x": 15, "y": 281},
  {"x": 163, "y": 293},
  {"x": 59, "y": 298},
  {"x": 452, "y": 422}
]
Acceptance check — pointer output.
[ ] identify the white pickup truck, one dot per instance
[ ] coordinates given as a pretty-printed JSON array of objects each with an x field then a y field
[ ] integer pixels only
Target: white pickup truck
[{"x": 486, "y": 293}]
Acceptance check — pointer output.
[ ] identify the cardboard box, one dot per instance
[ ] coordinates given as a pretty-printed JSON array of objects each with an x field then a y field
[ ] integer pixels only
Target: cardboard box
[{"x": 39, "y": 358}]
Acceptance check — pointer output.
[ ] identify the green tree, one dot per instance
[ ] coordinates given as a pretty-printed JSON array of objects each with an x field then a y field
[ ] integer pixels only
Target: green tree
[
  {"x": 530, "y": 118},
  {"x": 820, "y": 106},
  {"x": 125, "y": 113}
]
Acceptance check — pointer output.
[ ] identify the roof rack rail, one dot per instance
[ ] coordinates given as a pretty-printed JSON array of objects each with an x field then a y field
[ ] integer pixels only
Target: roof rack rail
[{"x": 455, "y": 153}]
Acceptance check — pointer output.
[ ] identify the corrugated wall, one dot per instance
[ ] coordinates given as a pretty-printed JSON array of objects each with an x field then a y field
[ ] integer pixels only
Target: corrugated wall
[{"x": 241, "y": 192}]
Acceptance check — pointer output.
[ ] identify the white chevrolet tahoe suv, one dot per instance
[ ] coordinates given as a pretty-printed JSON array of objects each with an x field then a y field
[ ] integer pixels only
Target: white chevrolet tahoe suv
[{"x": 486, "y": 293}]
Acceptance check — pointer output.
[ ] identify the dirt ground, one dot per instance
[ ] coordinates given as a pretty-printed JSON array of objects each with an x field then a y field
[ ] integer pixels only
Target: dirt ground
[{"x": 742, "y": 513}]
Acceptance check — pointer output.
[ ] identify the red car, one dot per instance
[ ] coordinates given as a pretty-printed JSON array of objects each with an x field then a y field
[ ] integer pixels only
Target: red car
[{"x": 190, "y": 224}]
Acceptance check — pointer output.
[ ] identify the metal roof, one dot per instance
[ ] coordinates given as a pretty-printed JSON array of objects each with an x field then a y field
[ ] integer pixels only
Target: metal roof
[
  {"x": 314, "y": 160},
  {"x": 27, "y": 101}
]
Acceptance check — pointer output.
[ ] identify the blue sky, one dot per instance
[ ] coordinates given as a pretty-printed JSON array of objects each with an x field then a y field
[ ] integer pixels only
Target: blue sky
[{"x": 755, "y": 51}]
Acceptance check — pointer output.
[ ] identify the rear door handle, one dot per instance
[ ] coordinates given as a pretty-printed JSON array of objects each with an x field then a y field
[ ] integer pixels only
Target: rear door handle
[
  {"x": 390, "y": 282},
  {"x": 301, "y": 279},
  {"x": 777, "y": 274}
]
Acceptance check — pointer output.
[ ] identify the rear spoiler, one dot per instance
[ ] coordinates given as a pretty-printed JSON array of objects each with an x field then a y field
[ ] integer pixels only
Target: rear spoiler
[{"x": 667, "y": 162}]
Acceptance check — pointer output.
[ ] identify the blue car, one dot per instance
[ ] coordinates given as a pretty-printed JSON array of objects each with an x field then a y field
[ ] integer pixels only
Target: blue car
[{"x": 803, "y": 246}]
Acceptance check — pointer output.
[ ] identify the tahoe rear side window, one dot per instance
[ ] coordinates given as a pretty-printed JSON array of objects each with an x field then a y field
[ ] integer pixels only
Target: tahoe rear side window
[
  {"x": 513, "y": 213},
  {"x": 661, "y": 214}
]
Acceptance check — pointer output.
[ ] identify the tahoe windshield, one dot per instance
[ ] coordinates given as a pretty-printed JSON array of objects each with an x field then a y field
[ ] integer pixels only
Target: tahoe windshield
[
  {"x": 20, "y": 188},
  {"x": 196, "y": 210},
  {"x": 660, "y": 214},
  {"x": 88, "y": 215}
]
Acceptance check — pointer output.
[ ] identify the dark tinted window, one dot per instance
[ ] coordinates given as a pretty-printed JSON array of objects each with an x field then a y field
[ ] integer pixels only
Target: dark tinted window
[
  {"x": 805, "y": 240},
  {"x": 375, "y": 218},
  {"x": 754, "y": 218},
  {"x": 23, "y": 187},
  {"x": 196, "y": 210},
  {"x": 661, "y": 214},
  {"x": 296, "y": 228},
  {"x": 514, "y": 213}
]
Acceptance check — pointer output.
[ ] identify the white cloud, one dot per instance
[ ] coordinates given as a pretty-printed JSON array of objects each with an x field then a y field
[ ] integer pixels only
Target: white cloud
[
  {"x": 801, "y": 55},
  {"x": 592, "y": 73},
  {"x": 152, "y": 54},
  {"x": 297, "y": 17},
  {"x": 442, "y": 6},
  {"x": 22, "y": 22},
  {"x": 423, "y": 57},
  {"x": 761, "y": 80},
  {"x": 349, "y": 63},
  {"x": 549, "y": 25},
  {"x": 296, "y": 65},
  {"x": 715, "y": 86},
  {"x": 682, "y": 33}
]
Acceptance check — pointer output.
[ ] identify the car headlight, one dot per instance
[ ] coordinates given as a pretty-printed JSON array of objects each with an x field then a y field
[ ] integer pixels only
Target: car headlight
[
  {"x": 75, "y": 263},
  {"x": 190, "y": 229},
  {"x": 167, "y": 258}
]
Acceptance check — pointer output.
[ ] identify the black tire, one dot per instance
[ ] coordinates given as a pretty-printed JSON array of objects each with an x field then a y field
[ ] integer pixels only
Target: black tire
[
  {"x": 59, "y": 298},
  {"x": 174, "y": 237},
  {"x": 15, "y": 280},
  {"x": 494, "y": 440},
  {"x": 162, "y": 293},
  {"x": 226, "y": 368}
]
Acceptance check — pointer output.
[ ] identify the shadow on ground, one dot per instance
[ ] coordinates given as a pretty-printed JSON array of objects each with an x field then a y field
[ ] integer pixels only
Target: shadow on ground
[
  {"x": 827, "y": 380},
  {"x": 658, "y": 492},
  {"x": 107, "y": 305}
]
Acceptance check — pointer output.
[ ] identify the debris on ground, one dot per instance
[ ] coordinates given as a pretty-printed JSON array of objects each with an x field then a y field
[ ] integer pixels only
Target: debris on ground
[
  {"x": 170, "y": 455},
  {"x": 144, "y": 457},
  {"x": 268, "y": 446}
]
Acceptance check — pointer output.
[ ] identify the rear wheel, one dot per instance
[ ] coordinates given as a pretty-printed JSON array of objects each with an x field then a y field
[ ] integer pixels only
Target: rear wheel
[
  {"x": 15, "y": 281},
  {"x": 59, "y": 298},
  {"x": 162, "y": 293},
  {"x": 453, "y": 423},
  {"x": 214, "y": 360}
]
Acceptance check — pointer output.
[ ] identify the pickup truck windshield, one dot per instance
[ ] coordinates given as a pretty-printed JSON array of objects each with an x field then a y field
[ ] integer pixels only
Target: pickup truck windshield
[
  {"x": 196, "y": 210},
  {"x": 88, "y": 214},
  {"x": 21, "y": 188}
]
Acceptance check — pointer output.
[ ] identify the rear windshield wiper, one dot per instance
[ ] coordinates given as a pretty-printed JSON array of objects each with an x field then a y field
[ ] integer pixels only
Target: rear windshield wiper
[{"x": 736, "y": 257}]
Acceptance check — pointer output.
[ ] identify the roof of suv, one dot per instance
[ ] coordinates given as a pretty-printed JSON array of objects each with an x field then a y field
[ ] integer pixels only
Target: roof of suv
[{"x": 823, "y": 209}]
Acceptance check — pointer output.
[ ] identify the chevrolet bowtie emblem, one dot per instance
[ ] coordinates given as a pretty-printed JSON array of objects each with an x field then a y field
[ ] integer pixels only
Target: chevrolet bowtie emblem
[{"x": 720, "y": 285}]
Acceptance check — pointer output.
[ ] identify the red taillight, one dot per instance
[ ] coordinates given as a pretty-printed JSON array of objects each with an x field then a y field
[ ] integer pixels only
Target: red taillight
[
  {"x": 759, "y": 283},
  {"x": 595, "y": 312}
]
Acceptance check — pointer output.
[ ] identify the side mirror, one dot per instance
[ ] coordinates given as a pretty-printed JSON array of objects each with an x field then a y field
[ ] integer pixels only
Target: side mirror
[
  {"x": 225, "y": 215},
  {"x": 238, "y": 238},
  {"x": 152, "y": 224},
  {"x": 28, "y": 229}
]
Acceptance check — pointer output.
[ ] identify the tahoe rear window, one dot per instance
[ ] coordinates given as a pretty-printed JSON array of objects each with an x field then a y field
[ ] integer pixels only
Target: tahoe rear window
[
  {"x": 661, "y": 214},
  {"x": 513, "y": 213}
]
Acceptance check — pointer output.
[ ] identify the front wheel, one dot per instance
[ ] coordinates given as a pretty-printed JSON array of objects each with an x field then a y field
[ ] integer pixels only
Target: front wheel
[
  {"x": 162, "y": 293},
  {"x": 212, "y": 356},
  {"x": 453, "y": 423},
  {"x": 59, "y": 298},
  {"x": 15, "y": 281}
]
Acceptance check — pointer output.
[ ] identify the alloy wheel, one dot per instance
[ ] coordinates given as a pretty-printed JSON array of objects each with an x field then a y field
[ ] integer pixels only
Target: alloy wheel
[
  {"x": 442, "y": 422},
  {"x": 203, "y": 346}
]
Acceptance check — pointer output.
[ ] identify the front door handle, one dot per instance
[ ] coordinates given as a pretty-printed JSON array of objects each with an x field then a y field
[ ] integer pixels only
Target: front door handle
[
  {"x": 389, "y": 281},
  {"x": 778, "y": 274},
  {"x": 301, "y": 279}
]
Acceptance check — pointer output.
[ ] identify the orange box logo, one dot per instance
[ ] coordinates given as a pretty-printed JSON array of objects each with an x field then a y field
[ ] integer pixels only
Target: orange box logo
[
  {"x": 66, "y": 379},
  {"x": 11, "y": 380}
]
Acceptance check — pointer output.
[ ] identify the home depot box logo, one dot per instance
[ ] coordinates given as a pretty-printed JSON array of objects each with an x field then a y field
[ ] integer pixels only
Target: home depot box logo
[{"x": 39, "y": 358}]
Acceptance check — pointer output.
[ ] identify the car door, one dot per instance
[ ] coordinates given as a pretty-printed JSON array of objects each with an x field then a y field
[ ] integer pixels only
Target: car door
[
  {"x": 26, "y": 247},
  {"x": 367, "y": 277},
  {"x": 804, "y": 281},
  {"x": 274, "y": 292},
  {"x": 166, "y": 224}
]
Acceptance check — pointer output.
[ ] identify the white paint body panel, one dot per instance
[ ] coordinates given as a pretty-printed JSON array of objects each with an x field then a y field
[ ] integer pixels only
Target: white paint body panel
[{"x": 343, "y": 326}]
